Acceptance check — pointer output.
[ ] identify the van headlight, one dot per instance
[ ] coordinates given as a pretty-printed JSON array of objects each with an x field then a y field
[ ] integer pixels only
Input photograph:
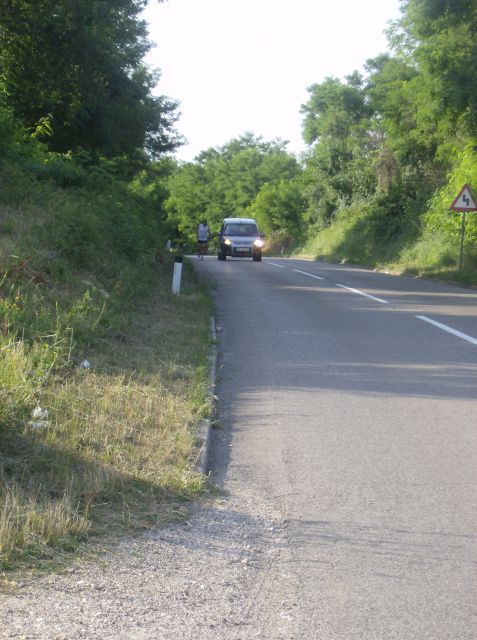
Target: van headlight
[
  {"x": 258, "y": 243},
  {"x": 227, "y": 241}
]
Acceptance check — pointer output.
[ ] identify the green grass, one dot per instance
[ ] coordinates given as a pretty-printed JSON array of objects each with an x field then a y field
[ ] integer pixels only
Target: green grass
[
  {"x": 118, "y": 440},
  {"x": 353, "y": 238},
  {"x": 88, "y": 452}
]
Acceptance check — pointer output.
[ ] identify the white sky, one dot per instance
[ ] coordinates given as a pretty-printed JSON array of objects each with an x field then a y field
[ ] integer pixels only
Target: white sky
[{"x": 245, "y": 65}]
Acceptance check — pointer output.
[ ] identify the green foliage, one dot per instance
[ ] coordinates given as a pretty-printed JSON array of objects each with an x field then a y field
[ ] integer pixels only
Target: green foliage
[
  {"x": 9, "y": 132},
  {"x": 61, "y": 170},
  {"x": 440, "y": 222},
  {"x": 440, "y": 37},
  {"x": 334, "y": 109},
  {"x": 82, "y": 277},
  {"x": 72, "y": 72},
  {"x": 404, "y": 109},
  {"x": 228, "y": 182},
  {"x": 82, "y": 215},
  {"x": 279, "y": 207},
  {"x": 389, "y": 152},
  {"x": 339, "y": 167}
]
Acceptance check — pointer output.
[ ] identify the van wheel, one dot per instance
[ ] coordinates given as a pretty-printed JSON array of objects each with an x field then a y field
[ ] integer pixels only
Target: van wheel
[{"x": 257, "y": 257}]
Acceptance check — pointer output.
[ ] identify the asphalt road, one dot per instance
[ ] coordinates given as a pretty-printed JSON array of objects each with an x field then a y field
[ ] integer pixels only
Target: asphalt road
[
  {"x": 345, "y": 452},
  {"x": 348, "y": 408}
]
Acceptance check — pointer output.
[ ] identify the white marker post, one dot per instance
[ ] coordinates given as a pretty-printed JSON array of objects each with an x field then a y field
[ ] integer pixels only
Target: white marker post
[
  {"x": 465, "y": 201},
  {"x": 176, "y": 278}
]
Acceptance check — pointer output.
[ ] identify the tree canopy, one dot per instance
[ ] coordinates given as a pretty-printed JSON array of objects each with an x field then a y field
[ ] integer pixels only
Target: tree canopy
[
  {"x": 237, "y": 179},
  {"x": 387, "y": 142},
  {"x": 78, "y": 64},
  {"x": 384, "y": 143}
]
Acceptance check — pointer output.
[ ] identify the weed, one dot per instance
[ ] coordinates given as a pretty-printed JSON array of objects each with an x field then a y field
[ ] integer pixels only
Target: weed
[{"x": 95, "y": 450}]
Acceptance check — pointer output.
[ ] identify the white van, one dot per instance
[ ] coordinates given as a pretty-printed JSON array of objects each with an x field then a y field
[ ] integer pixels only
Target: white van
[{"x": 239, "y": 238}]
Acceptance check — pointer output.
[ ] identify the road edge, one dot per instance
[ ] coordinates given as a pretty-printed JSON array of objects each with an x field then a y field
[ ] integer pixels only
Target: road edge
[{"x": 204, "y": 429}]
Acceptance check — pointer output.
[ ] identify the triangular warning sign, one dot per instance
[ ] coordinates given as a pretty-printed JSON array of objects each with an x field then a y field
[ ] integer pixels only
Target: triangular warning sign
[{"x": 465, "y": 201}]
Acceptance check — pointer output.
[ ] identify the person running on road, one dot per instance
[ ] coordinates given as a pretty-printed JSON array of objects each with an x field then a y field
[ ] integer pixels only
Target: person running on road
[{"x": 202, "y": 238}]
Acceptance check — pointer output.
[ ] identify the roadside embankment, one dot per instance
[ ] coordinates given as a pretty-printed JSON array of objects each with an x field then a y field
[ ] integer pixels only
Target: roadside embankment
[{"x": 103, "y": 372}]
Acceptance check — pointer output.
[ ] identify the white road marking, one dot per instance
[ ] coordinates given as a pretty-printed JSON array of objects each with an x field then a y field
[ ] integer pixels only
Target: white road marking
[
  {"x": 308, "y": 274},
  {"x": 444, "y": 327},
  {"x": 366, "y": 295}
]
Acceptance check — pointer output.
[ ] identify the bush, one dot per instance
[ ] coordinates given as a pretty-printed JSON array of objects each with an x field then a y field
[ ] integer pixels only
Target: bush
[
  {"x": 87, "y": 447},
  {"x": 440, "y": 222},
  {"x": 61, "y": 170}
]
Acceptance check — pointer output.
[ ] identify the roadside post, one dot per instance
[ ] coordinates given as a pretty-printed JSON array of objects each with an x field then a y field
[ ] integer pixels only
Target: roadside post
[
  {"x": 464, "y": 202},
  {"x": 176, "y": 278}
]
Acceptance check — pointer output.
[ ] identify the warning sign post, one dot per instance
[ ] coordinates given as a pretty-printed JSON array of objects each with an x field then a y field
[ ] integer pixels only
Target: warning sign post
[{"x": 464, "y": 202}]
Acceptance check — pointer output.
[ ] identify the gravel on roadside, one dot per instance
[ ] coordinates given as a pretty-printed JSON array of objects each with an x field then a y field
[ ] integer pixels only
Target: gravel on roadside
[{"x": 206, "y": 578}]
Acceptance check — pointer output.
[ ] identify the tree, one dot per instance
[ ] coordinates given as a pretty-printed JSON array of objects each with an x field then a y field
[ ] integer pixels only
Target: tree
[
  {"x": 334, "y": 108},
  {"x": 279, "y": 207},
  {"x": 440, "y": 35},
  {"x": 337, "y": 126},
  {"x": 79, "y": 63},
  {"x": 404, "y": 119},
  {"x": 226, "y": 182},
  {"x": 188, "y": 201}
]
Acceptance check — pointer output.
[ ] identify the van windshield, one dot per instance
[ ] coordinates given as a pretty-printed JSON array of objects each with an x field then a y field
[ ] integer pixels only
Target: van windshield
[{"x": 238, "y": 229}]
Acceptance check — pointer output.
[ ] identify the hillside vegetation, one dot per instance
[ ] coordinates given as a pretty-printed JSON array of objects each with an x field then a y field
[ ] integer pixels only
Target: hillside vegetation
[
  {"x": 102, "y": 370},
  {"x": 388, "y": 151}
]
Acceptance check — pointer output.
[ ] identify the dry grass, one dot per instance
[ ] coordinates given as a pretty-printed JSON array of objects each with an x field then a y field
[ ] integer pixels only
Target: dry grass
[
  {"x": 28, "y": 524},
  {"x": 116, "y": 449}
]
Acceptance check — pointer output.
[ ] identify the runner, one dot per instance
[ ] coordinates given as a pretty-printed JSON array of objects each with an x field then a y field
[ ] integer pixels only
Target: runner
[{"x": 202, "y": 239}]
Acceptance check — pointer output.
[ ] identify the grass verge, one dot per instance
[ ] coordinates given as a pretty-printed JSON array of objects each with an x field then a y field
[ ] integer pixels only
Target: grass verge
[
  {"x": 103, "y": 375},
  {"x": 352, "y": 239},
  {"x": 103, "y": 448}
]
